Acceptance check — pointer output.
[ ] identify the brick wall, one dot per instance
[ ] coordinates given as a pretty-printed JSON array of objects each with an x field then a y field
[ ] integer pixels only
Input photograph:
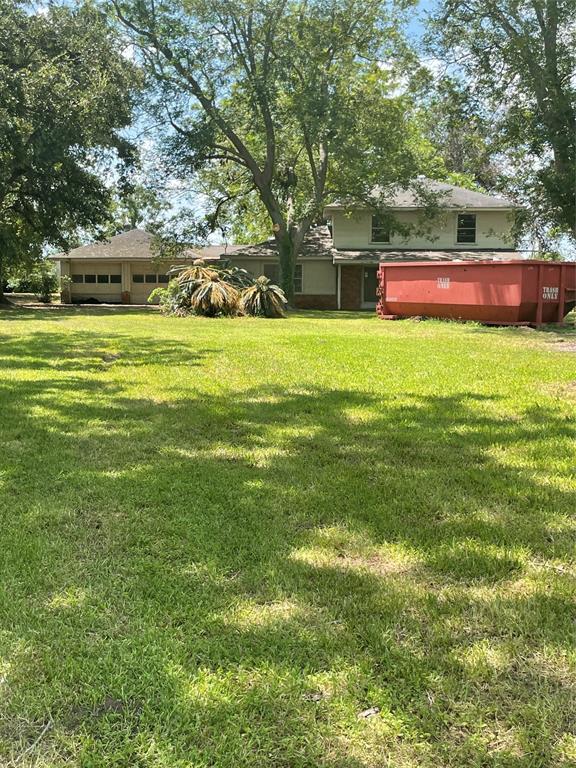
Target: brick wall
[{"x": 310, "y": 301}]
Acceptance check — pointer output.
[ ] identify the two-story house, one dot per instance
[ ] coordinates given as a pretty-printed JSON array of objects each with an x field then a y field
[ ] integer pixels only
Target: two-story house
[{"x": 338, "y": 263}]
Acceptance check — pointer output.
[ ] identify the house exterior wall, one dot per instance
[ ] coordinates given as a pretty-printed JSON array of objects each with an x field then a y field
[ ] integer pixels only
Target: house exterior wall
[
  {"x": 126, "y": 291},
  {"x": 139, "y": 292},
  {"x": 493, "y": 230},
  {"x": 318, "y": 280},
  {"x": 318, "y": 276},
  {"x": 104, "y": 292}
]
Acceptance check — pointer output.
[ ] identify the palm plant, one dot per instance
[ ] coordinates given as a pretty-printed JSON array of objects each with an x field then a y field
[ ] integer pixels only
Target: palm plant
[
  {"x": 188, "y": 278},
  {"x": 263, "y": 299},
  {"x": 214, "y": 296},
  {"x": 198, "y": 272}
]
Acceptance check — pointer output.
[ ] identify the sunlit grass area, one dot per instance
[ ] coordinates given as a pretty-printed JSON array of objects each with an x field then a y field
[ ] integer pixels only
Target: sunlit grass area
[{"x": 326, "y": 541}]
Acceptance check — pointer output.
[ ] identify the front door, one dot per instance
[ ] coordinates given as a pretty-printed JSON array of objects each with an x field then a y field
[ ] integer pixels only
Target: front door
[{"x": 369, "y": 286}]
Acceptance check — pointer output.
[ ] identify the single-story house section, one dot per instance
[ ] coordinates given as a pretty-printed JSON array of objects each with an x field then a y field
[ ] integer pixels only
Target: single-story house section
[
  {"x": 122, "y": 270},
  {"x": 337, "y": 266}
]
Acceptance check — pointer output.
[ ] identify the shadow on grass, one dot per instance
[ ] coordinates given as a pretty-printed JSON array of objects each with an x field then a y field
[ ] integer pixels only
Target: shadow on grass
[
  {"x": 230, "y": 581},
  {"x": 92, "y": 352},
  {"x": 58, "y": 312}
]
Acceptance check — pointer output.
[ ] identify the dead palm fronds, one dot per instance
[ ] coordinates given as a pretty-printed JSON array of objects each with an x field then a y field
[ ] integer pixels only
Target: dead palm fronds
[
  {"x": 263, "y": 299},
  {"x": 214, "y": 296}
]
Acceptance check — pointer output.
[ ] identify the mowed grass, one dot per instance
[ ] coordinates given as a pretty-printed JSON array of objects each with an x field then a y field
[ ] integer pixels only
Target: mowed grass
[{"x": 223, "y": 540}]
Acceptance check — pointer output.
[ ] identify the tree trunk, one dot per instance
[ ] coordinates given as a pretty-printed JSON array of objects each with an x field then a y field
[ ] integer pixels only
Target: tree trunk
[
  {"x": 287, "y": 254},
  {"x": 2, "y": 296}
]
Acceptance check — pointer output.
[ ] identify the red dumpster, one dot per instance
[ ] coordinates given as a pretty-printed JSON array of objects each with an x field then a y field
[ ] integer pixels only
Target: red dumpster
[{"x": 500, "y": 292}]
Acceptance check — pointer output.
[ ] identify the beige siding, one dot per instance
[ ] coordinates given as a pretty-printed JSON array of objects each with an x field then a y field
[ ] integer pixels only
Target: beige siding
[
  {"x": 492, "y": 231},
  {"x": 318, "y": 276}
]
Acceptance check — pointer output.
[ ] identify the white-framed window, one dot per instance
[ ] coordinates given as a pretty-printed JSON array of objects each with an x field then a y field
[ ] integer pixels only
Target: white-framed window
[
  {"x": 76, "y": 278},
  {"x": 380, "y": 232},
  {"x": 272, "y": 272},
  {"x": 466, "y": 228},
  {"x": 298, "y": 279}
]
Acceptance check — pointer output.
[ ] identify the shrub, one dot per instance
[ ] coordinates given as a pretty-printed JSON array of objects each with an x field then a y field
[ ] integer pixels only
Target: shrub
[
  {"x": 263, "y": 299},
  {"x": 171, "y": 299},
  {"x": 189, "y": 277},
  {"x": 41, "y": 280},
  {"x": 197, "y": 273}
]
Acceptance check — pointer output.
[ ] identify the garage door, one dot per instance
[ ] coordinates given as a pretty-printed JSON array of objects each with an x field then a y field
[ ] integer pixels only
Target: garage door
[
  {"x": 91, "y": 282},
  {"x": 143, "y": 283}
]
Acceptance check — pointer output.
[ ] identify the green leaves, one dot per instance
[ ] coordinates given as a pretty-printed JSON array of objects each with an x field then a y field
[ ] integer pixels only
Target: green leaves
[
  {"x": 65, "y": 95},
  {"x": 518, "y": 60}
]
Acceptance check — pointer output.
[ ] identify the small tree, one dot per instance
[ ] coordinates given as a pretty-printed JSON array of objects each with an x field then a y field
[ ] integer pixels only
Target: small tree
[{"x": 42, "y": 280}]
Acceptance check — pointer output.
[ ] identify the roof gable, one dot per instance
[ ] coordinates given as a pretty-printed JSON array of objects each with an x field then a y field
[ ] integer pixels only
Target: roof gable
[{"x": 133, "y": 244}]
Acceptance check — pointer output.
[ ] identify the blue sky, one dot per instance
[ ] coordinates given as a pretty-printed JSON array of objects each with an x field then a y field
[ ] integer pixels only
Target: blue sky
[{"x": 416, "y": 26}]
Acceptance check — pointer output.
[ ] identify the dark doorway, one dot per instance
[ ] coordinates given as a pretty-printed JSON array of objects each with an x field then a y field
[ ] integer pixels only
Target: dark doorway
[{"x": 369, "y": 285}]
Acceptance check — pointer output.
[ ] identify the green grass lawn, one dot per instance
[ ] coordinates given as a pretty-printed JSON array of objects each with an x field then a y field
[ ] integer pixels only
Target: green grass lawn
[{"x": 223, "y": 540}]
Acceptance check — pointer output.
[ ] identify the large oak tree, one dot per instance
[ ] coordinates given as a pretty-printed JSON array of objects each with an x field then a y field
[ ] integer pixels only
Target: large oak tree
[{"x": 289, "y": 103}]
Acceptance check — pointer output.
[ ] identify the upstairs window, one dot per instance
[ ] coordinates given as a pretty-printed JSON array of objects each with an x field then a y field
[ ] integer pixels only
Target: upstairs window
[
  {"x": 466, "y": 228},
  {"x": 380, "y": 230}
]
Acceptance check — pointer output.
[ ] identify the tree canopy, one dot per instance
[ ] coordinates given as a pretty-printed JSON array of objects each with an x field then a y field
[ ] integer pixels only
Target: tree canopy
[
  {"x": 65, "y": 96},
  {"x": 280, "y": 106},
  {"x": 518, "y": 61}
]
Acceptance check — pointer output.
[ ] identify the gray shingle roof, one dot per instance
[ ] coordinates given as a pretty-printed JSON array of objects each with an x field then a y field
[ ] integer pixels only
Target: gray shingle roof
[
  {"x": 446, "y": 194},
  {"x": 375, "y": 257},
  {"x": 317, "y": 245},
  {"x": 136, "y": 245},
  {"x": 133, "y": 245}
]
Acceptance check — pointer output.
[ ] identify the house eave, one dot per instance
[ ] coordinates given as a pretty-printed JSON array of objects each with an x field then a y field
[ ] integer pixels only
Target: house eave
[{"x": 448, "y": 207}]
